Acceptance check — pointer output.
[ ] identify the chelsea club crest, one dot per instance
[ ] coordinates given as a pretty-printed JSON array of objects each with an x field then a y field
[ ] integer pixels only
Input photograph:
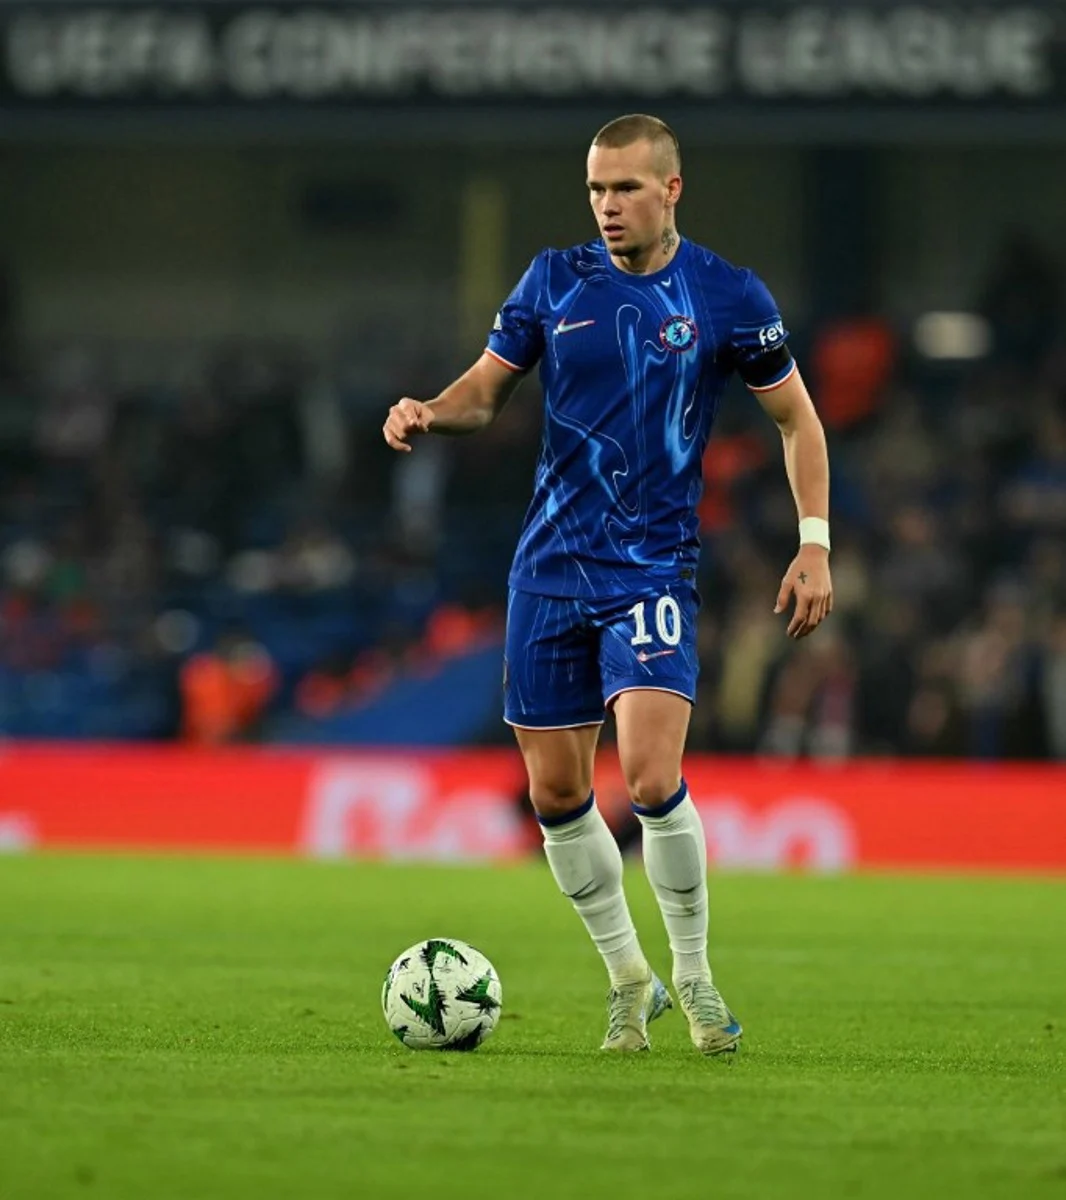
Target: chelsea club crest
[{"x": 678, "y": 334}]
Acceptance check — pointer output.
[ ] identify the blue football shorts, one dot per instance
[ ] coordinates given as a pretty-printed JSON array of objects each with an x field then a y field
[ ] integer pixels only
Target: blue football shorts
[{"x": 566, "y": 660}]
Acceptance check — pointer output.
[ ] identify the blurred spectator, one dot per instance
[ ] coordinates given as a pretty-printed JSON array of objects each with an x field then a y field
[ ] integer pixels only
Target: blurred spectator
[
  {"x": 933, "y": 723},
  {"x": 418, "y": 494},
  {"x": 852, "y": 363},
  {"x": 728, "y": 461},
  {"x": 752, "y": 644},
  {"x": 812, "y": 705},
  {"x": 76, "y": 419},
  {"x": 997, "y": 680},
  {"x": 1034, "y": 499},
  {"x": 888, "y": 673},
  {"x": 919, "y": 569},
  {"x": 225, "y": 691}
]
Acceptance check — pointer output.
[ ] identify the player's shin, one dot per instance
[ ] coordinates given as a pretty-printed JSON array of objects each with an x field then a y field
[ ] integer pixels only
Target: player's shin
[
  {"x": 587, "y": 865},
  {"x": 675, "y": 859}
]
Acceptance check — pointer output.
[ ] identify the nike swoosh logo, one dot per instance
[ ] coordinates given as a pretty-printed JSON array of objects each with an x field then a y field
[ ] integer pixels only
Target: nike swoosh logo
[
  {"x": 643, "y": 656},
  {"x": 563, "y": 327}
]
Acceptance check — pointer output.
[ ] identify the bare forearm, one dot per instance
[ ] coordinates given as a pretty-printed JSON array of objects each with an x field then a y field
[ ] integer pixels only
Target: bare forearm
[
  {"x": 807, "y": 465},
  {"x": 467, "y": 405},
  {"x": 463, "y": 407}
]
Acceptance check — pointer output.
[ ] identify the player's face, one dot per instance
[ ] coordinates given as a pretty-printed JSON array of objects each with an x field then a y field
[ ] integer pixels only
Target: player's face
[{"x": 632, "y": 200}]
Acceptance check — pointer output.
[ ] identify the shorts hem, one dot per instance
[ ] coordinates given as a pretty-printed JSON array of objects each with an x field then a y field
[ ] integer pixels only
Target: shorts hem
[
  {"x": 646, "y": 687},
  {"x": 555, "y": 723}
]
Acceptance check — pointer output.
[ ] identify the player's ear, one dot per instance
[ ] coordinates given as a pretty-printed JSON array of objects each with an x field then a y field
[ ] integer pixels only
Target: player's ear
[{"x": 673, "y": 190}]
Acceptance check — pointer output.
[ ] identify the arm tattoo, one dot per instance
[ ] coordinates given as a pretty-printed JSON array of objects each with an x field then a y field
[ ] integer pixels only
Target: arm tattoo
[
  {"x": 803, "y": 576},
  {"x": 669, "y": 238}
]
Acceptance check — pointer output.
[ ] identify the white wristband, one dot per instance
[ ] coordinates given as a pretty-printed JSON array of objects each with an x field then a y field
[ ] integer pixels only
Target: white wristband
[{"x": 814, "y": 530}]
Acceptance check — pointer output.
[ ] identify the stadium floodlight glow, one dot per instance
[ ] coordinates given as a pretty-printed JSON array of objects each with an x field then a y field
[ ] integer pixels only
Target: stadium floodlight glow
[{"x": 957, "y": 335}]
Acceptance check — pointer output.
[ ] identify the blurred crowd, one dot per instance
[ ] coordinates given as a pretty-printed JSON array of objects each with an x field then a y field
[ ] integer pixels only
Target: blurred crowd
[
  {"x": 199, "y": 557},
  {"x": 948, "y": 634},
  {"x": 232, "y": 547}
]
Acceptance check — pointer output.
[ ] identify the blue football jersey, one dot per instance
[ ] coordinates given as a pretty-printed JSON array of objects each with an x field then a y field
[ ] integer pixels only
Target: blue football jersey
[{"x": 632, "y": 368}]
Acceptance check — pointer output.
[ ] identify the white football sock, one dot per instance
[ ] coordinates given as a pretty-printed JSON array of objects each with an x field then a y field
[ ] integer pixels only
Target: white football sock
[
  {"x": 675, "y": 858},
  {"x": 587, "y": 865}
]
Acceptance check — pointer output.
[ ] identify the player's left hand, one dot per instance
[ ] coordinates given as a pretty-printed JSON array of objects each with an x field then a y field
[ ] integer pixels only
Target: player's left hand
[{"x": 808, "y": 578}]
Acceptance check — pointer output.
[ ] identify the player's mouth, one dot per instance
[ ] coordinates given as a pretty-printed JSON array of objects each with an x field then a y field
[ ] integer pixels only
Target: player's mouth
[{"x": 613, "y": 230}]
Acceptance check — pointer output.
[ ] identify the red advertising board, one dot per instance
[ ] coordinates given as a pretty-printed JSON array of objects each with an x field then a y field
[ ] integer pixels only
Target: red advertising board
[{"x": 462, "y": 805}]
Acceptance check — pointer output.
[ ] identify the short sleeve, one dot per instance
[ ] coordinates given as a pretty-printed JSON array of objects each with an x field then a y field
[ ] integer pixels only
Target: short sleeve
[
  {"x": 517, "y": 337},
  {"x": 757, "y": 345}
]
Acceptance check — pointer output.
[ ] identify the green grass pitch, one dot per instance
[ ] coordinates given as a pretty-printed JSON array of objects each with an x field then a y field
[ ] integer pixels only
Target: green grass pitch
[{"x": 175, "y": 1028}]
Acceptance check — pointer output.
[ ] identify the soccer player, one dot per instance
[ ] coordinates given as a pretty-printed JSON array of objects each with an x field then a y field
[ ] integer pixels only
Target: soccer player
[{"x": 636, "y": 334}]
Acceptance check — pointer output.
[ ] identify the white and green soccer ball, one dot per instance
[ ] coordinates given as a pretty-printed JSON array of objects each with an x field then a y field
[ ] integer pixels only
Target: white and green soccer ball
[{"x": 442, "y": 994}]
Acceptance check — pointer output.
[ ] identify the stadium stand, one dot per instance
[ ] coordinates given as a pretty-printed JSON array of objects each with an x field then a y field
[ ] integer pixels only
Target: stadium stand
[{"x": 157, "y": 545}]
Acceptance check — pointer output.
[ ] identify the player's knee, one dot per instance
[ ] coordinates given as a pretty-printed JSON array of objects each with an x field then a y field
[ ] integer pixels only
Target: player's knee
[
  {"x": 557, "y": 797},
  {"x": 651, "y": 787}
]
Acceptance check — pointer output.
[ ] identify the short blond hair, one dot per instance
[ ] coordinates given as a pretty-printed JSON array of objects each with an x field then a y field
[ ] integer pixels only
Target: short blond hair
[{"x": 636, "y": 127}]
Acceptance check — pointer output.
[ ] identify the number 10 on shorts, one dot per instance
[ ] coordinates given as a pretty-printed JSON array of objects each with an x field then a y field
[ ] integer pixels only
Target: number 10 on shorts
[{"x": 667, "y": 622}]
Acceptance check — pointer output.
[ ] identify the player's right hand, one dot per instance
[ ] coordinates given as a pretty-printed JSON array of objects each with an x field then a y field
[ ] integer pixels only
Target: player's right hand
[{"x": 404, "y": 420}]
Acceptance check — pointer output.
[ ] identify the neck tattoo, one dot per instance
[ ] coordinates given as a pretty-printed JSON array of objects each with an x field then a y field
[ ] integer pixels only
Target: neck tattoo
[{"x": 669, "y": 240}]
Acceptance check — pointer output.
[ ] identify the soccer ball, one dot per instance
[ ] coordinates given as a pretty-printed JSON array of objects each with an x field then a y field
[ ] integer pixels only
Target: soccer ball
[{"x": 442, "y": 995}]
